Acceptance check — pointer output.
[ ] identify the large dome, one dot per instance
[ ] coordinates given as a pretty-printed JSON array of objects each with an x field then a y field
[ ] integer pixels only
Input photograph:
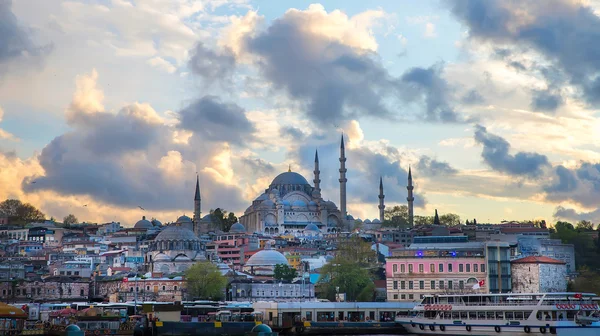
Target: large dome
[
  {"x": 237, "y": 228},
  {"x": 311, "y": 227},
  {"x": 289, "y": 178},
  {"x": 184, "y": 219},
  {"x": 143, "y": 224},
  {"x": 267, "y": 258},
  {"x": 174, "y": 232}
]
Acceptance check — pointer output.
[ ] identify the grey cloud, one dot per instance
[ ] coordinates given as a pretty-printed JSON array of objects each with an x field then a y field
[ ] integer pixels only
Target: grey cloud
[
  {"x": 214, "y": 67},
  {"x": 496, "y": 154},
  {"x": 573, "y": 215},
  {"x": 431, "y": 167},
  {"x": 214, "y": 120},
  {"x": 563, "y": 31},
  {"x": 566, "y": 182},
  {"x": 517, "y": 65},
  {"x": 472, "y": 97},
  {"x": 15, "y": 41},
  {"x": 580, "y": 185},
  {"x": 291, "y": 132},
  {"x": 546, "y": 101},
  {"x": 257, "y": 166}
]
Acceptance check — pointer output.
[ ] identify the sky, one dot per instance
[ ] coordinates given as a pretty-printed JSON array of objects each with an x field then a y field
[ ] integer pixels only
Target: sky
[{"x": 109, "y": 108}]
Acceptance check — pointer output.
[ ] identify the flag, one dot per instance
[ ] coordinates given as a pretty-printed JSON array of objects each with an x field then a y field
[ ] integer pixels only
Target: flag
[
  {"x": 476, "y": 286},
  {"x": 481, "y": 283},
  {"x": 125, "y": 279},
  {"x": 578, "y": 296}
]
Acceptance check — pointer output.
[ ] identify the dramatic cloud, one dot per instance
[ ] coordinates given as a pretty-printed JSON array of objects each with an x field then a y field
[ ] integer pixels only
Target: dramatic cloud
[
  {"x": 546, "y": 101},
  {"x": 15, "y": 42},
  {"x": 431, "y": 167},
  {"x": 580, "y": 185},
  {"x": 496, "y": 154},
  {"x": 4, "y": 134},
  {"x": 560, "y": 30},
  {"x": 214, "y": 120},
  {"x": 212, "y": 66},
  {"x": 573, "y": 215}
]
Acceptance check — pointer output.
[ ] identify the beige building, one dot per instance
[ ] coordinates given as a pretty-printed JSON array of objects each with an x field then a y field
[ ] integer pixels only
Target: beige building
[{"x": 538, "y": 274}]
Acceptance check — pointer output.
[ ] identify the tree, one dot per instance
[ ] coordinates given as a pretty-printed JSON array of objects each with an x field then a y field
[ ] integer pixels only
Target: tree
[
  {"x": 222, "y": 219},
  {"x": 284, "y": 272},
  {"x": 396, "y": 216},
  {"x": 450, "y": 219},
  {"x": 423, "y": 220},
  {"x": 584, "y": 225},
  {"x": 70, "y": 219},
  {"x": 205, "y": 282},
  {"x": 21, "y": 213}
]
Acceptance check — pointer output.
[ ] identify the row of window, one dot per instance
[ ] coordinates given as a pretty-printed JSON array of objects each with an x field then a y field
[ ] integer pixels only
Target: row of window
[
  {"x": 497, "y": 315},
  {"x": 461, "y": 268},
  {"x": 137, "y": 289},
  {"x": 276, "y": 293},
  {"x": 33, "y": 291},
  {"x": 432, "y": 284}
]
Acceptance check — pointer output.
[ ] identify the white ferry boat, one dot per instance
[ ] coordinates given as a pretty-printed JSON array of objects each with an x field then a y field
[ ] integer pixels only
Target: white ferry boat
[{"x": 505, "y": 314}]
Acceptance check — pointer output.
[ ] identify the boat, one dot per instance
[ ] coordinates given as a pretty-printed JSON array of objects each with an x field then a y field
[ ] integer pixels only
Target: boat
[
  {"x": 12, "y": 320},
  {"x": 504, "y": 314}
]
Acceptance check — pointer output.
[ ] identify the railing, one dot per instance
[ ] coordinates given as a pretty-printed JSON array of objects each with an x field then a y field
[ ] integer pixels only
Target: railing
[{"x": 518, "y": 303}]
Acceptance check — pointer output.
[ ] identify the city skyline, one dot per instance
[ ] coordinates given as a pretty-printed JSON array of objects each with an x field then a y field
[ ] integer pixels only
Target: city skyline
[{"x": 109, "y": 109}]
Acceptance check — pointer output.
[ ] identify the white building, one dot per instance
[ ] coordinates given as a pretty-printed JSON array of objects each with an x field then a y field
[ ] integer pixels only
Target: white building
[{"x": 538, "y": 274}]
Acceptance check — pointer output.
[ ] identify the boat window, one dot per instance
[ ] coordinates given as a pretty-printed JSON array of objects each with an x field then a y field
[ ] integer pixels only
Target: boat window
[
  {"x": 325, "y": 316},
  {"x": 455, "y": 315},
  {"x": 570, "y": 315},
  {"x": 490, "y": 315},
  {"x": 472, "y": 315},
  {"x": 447, "y": 315},
  {"x": 450, "y": 300},
  {"x": 527, "y": 314},
  {"x": 481, "y": 315},
  {"x": 499, "y": 316},
  {"x": 309, "y": 316},
  {"x": 509, "y": 315},
  {"x": 518, "y": 315},
  {"x": 463, "y": 315}
]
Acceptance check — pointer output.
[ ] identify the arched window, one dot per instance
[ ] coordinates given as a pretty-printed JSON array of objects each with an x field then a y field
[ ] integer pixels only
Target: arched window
[{"x": 175, "y": 287}]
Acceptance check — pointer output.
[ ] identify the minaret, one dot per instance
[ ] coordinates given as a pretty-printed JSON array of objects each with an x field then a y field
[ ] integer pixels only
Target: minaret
[
  {"x": 410, "y": 198},
  {"x": 317, "y": 172},
  {"x": 381, "y": 197},
  {"x": 343, "y": 180},
  {"x": 436, "y": 218},
  {"x": 197, "y": 203}
]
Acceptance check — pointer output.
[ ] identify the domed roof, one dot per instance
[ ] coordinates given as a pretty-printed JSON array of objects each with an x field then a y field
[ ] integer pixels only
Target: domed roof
[
  {"x": 299, "y": 204},
  {"x": 367, "y": 221},
  {"x": 143, "y": 224},
  {"x": 237, "y": 228},
  {"x": 262, "y": 328},
  {"x": 267, "y": 258},
  {"x": 184, "y": 219},
  {"x": 162, "y": 257},
  {"x": 289, "y": 178},
  {"x": 156, "y": 222},
  {"x": 72, "y": 327},
  {"x": 311, "y": 227},
  {"x": 182, "y": 257},
  {"x": 267, "y": 204},
  {"x": 207, "y": 218},
  {"x": 376, "y": 221},
  {"x": 175, "y": 232}
]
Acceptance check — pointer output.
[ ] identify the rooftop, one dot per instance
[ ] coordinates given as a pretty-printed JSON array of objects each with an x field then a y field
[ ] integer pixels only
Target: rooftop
[{"x": 537, "y": 260}]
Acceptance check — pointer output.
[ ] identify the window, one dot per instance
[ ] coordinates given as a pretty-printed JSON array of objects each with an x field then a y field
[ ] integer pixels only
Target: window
[
  {"x": 174, "y": 287},
  {"x": 395, "y": 285},
  {"x": 164, "y": 287},
  {"x": 395, "y": 296},
  {"x": 461, "y": 284},
  {"x": 402, "y": 284},
  {"x": 450, "y": 268},
  {"x": 410, "y": 285},
  {"x": 421, "y": 268},
  {"x": 411, "y": 297},
  {"x": 402, "y": 268},
  {"x": 450, "y": 284},
  {"x": 395, "y": 268},
  {"x": 432, "y": 268},
  {"x": 432, "y": 284},
  {"x": 475, "y": 268},
  {"x": 461, "y": 268},
  {"x": 468, "y": 268},
  {"x": 441, "y": 284},
  {"x": 482, "y": 268},
  {"x": 76, "y": 272},
  {"x": 403, "y": 297},
  {"x": 410, "y": 268},
  {"x": 147, "y": 288},
  {"x": 421, "y": 284},
  {"x": 441, "y": 268}
]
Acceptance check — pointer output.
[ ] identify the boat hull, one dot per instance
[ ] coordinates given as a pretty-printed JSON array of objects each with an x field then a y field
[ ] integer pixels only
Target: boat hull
[{"x": 485, "y": 330}]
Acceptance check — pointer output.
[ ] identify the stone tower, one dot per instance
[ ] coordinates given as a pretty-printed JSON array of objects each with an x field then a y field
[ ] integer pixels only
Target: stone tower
[
  {"x": 343, "y": 180},
  {"x": 410, "y": 198},
  {"x": 381, "y": 197}
]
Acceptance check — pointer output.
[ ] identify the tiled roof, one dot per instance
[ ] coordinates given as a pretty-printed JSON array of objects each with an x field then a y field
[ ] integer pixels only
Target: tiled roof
[{"x": 537, "y": 260}]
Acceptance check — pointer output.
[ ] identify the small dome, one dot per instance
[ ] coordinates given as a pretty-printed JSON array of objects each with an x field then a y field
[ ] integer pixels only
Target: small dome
[
  {"x": 298, "y": 204},
  {"x": 286, "y": 205},
  {"x": 143, "y": 224},
  {"x": 359, "y": 220},
  {"x": 261, "y": 328},
  {"x": 184, "y": 219},
  {"x": 330, "y": 205},
  {"x": 289, "y": 178},
  {"x": 162, "y": 257},
  {"x": 312, "y": 205},
  {"x": 376, "y": 221},
  {"x": 237, "y": 228},
  {"x": 350, "y": 217},
  {"x": 156, "y": 222},
  {"x": 367, "y": 221},
  {"x": 174, "y": 232},
  {"x": 72, "y": 328},
  {"x": 267, "y": 258},
  {"x": 207, "y": 218},
  {"x": 267, "y": 204},
  {"x": 182, "y": 257},
  {"x": 311, "y": 227}
]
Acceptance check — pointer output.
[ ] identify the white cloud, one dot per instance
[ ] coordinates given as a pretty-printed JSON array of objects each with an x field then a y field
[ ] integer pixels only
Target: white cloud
[
  {"x": 162, "y": 64},
  {"x": 430, "y": 30},
  {"x": 4, "y": 134}
]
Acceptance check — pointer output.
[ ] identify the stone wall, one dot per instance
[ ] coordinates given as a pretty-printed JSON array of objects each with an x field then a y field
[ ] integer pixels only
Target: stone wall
[{"x": 539, "y": 278}]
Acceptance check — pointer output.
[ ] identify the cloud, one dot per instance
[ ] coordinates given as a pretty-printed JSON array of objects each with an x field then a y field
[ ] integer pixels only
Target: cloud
[
  {"x": 210, "y": 65},
  {"x": 4, "y": 134},
  {"x": 431, "y": 167},
  {"x": 573, "y": 215},
  {"x": 162, "y": 64},
  {"x": 15, "y": 41},
  {"x": 546, "y": 101},
  {"x": 496, "y": 154},
  {"x": 214, "y": 120},
  {"x": 430, "y": 30},
  {"x": 559, "y": 30},
  {"x": 580, "y": 184}
]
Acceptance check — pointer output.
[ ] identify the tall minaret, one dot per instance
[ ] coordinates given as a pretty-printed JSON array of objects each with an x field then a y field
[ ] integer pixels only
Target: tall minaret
[
  {"x": 410, "y": 198},
  {"x": 381, "y": 197},
  {"x": 343, "y": 179},
  {"x": 317, "y": 172},
  {"x": 197, "y": 202}
]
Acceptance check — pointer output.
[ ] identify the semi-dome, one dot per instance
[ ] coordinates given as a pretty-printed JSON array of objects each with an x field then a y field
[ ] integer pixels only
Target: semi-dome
[
  {"x": 311, "y": 227},
  {"x": 298, "y": 204},
  {"x": 182, "y": 257},
  {"x": 267, "y": 258},
  {"x": 143, "y": 224},
  {"x": 237, "y": 228},
  {"x": 267, "y": 204},
  {"x": 162, "y": 257},
  {"x": 175, "y": 232},
  {"x": 184, "y": 219},
  {"x": 289, "y": 178},
  {"x": 286, "y": 205},
  {"x": 312, "y": 205}
]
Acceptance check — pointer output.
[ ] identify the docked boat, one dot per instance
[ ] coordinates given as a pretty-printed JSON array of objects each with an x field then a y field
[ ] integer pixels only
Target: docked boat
[{"x": 505, "y": 314}]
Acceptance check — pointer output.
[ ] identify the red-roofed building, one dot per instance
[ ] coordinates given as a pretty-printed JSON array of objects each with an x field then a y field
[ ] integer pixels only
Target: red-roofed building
[{"x": 538, "y": 274}]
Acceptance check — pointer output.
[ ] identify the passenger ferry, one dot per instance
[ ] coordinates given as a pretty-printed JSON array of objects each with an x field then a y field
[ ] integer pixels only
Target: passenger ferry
[{"x": 505, "y": 314}]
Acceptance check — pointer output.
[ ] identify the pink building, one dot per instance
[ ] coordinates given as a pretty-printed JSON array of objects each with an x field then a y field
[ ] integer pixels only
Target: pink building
[{"x": 412, "y": 273}]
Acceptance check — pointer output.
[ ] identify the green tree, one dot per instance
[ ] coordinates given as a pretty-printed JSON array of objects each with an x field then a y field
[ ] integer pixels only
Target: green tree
[
  {"x": 205, "y": 282},
  {"x": 396, "y": 216},
  {"x": 284, "y": 272},
  {"x": 70, "y": 219},
  {"x": 584, "y": 225},
  {"x": 450, "y": 219},
  {"x": 222, "y": 219},
  {"x": 20, "y": 213},
  {"x": 351, "y": 271},
  {"x": 423, "y": 220}
]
